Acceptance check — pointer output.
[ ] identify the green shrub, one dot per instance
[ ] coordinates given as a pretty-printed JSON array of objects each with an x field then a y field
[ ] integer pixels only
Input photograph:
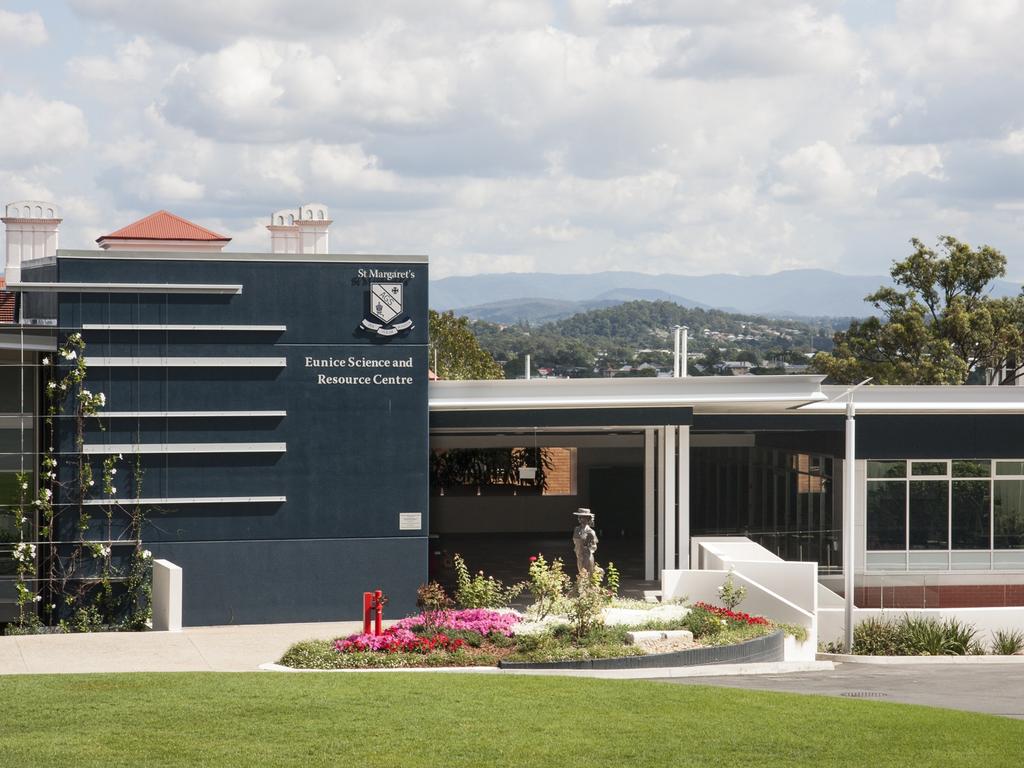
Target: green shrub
[
  {"x": 703, "y": 623},
  {"x": 878, "y": 636},
  {"x": 731, "y": 594},
  {"x": 927, "y": 636},
  {"x": 312, "y": 654},
  {"x": 584, "y": 609},
  {"x": 915, "y": 636},
  {"x": 1007, "y": 642},
  {"x": 738, "y": 634},
  {"x": 548, "y": 584},
  {"x": 481, "y": 591},
  {"x": 320, "y": 654},
  {"x": 795, "y": 630},
  {"x": 611, "y": 579},
  {"x": 960, "y": 638}
]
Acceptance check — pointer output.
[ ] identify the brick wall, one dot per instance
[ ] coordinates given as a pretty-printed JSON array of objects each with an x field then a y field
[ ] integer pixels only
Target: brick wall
[
  {"x": 944, "y": 596},
  {"x": 559, "y": 477}
]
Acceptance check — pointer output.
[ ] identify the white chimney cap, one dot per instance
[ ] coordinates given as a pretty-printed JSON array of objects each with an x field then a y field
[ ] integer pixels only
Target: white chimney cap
[{"x": 32, "y": 209}]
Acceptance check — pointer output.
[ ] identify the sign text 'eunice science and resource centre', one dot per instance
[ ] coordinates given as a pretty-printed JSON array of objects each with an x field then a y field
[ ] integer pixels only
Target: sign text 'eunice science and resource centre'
[{"x": 362, "y": 370}]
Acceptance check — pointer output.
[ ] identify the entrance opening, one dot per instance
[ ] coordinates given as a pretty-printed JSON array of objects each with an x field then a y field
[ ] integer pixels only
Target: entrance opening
[{"x": 483, "y": 509}]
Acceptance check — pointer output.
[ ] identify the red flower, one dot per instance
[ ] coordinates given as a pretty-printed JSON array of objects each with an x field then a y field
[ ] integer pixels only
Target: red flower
[{"x": 533, "y": 558}]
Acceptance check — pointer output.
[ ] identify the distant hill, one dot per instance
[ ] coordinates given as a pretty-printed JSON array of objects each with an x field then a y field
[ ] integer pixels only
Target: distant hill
[
  {"x": 792, "y": 293},
  {"x": 535, "y": 311}
]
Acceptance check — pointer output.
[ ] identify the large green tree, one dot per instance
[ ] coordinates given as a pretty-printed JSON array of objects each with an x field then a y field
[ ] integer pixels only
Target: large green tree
[
  {"x": 938, "y": 323},
  {"x": 457, "y": 351}
]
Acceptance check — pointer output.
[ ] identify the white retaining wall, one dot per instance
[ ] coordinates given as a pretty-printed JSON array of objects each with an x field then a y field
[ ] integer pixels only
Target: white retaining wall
[
  {"x": 702, "y": 585},
  {"x": 986, "y": 620}
]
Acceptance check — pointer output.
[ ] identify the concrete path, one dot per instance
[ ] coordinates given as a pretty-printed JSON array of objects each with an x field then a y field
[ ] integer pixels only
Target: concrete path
[
  {"x": 195, "y": 649},
  {"x": 996, "y": 689}
]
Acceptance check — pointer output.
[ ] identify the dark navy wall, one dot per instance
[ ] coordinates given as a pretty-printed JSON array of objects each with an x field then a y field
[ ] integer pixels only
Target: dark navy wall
[{"x": 356, "y": 456}]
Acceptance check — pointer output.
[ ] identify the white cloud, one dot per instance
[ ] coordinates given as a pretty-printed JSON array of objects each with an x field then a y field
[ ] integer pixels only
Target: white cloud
[
  {"x": 25, "y": 29},
  {"x": 659, "y": 135},
  {"x": 815, "y": 172},
  {"x": 171, "y": 187},
  {"x": 129, "y": 64},
  {"x": 37, "y": 131}
]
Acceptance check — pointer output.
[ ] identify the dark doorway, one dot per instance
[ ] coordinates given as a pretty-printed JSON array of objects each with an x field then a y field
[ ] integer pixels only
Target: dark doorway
[{"x": 616, "y": 496}]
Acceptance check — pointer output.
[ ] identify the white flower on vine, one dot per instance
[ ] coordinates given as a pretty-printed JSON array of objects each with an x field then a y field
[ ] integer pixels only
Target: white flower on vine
[
  {"x": 86, "y": 393},
  {"x": 91, "y": 483},
  {"x": 147, "y": 554},
  {"x": 46, "y": 361},
  {"x": 47, "y": 494},
  {"x": 113, "y": 489},
  {"x": 24, "y": 486},
  {"x": 37, "y": 598},
  {"x": 22, "y": 520},
  {"x": 113, "y": 470},
  {"x": 102, "y": 398},
  {"x": 52, "y": 385}
]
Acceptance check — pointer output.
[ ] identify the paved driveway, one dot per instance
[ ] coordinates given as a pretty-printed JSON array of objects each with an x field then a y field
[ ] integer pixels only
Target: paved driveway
[{"x": 996, "y": 689}]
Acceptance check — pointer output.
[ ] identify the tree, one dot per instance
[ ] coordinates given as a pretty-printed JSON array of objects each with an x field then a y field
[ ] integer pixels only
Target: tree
[
  {"x": 938, "y": 323},
  {"x": 458, "y": 353}
]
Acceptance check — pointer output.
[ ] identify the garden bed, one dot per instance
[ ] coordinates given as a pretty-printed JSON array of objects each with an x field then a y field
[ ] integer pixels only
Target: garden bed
[
  {"x": 586, "y": 627},
  {"x": 481, "y": 637}
]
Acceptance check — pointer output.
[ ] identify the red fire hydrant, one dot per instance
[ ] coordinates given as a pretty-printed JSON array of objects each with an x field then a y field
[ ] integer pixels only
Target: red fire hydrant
[{"x": 373, "y": 606}]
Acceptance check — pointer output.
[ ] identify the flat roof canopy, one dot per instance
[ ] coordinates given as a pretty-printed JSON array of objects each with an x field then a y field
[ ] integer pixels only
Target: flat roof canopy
[{"x": 698, "y": 400}]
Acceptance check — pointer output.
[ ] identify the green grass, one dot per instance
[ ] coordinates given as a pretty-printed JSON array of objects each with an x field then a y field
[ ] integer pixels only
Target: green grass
[{"x": 432, "y": 719}]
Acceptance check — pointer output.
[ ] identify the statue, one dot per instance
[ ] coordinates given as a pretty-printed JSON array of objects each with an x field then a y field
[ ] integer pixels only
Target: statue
[{"x": 584, "y": 541}]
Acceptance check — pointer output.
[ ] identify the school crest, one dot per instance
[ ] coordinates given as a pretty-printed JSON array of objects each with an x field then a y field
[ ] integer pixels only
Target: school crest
[{"x": 387, "y": 304}]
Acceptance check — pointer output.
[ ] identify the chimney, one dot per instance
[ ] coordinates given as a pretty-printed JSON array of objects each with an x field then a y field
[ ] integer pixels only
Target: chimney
[
  {"x": 31, "y": 229},
  {"x": 301, "y": 231}
]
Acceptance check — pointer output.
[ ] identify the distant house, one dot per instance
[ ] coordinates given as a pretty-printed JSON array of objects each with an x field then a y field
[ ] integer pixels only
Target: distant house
[{"x": 736, "y": 367}]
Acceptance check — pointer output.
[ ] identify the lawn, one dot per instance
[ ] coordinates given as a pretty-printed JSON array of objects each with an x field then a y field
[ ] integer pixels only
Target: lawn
[{"x": 432, "y": 719}]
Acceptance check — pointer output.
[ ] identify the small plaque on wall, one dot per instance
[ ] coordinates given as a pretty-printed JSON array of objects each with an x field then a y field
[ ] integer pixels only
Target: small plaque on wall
[{"x": 410, "y": 521}]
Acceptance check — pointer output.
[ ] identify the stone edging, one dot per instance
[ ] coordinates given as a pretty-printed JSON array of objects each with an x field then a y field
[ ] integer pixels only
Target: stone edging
[
  {"x": 761, "y": 649},
  {"x": 923, "y": 660}
]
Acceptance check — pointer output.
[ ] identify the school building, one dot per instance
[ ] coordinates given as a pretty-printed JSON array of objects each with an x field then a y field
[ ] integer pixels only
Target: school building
[{"x": 275, "y": 417}]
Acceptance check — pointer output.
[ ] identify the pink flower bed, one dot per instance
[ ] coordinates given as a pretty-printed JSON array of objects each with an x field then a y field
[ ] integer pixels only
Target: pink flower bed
[
  {"x": 399, "y": 637},
  {"x": 480, "y": 620},
  {"x": 396, "y": 641}
]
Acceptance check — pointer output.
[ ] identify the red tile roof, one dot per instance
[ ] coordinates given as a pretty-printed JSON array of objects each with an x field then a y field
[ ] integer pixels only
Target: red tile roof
[{"x": 163, "y": 225}]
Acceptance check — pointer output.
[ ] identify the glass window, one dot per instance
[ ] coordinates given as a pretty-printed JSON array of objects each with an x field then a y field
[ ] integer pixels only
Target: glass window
[
  {"x": 1010, "y": 467},
  {"x": 972, "y": 500},
  {"x": 929, "y": 515},
  {"x": 1008, "y": 513},
  {"x": 979, "y": 468},
  {"x": 928, "y": 468},
  {"x": 887, "y": 469},
  {"x": 887, "y": 516}
]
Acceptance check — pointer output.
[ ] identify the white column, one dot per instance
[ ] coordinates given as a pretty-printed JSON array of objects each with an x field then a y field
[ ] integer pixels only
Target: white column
[
  {"x": 659, "y": 558},
  {"x": 675, "y": 352},
  {"x": 849, "y": 506},
  {"x": 683, "y": 528},
  {"x": 649, "y": 565},
  {"x": 684, "y": 353},
  {"x": 166, "y": 596},
  {"x": 668, "y": 497}
]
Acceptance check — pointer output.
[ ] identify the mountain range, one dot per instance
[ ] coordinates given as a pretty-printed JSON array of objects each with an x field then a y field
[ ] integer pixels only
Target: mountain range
[{"x": 542, "y": 297}]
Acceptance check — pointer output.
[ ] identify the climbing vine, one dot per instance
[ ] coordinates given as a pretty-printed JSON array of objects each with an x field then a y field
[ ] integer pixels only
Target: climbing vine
[{"x": 87, "y": 568}]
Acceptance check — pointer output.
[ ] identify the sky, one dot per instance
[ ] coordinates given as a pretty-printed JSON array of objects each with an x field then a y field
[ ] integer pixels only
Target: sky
[{"x": 678, "y": 136}]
